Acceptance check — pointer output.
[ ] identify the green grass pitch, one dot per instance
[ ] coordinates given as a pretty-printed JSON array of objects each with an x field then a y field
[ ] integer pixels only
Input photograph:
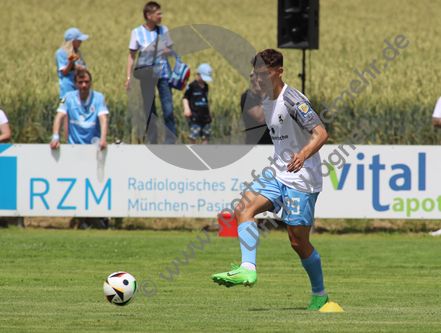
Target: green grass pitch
[{"x": 51, "y": 281}]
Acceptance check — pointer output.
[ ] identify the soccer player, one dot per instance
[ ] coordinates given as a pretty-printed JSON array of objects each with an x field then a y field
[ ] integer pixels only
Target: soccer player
[
  {"x": 87, "y": 112},
  {"x": 292, "y": 183}
]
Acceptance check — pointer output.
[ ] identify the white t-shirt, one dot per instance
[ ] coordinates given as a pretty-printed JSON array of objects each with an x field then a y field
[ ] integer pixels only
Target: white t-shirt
[
  {"x": 289, "y": 119},
  {"x": 3, "y": 119},
  {"x": 145, "y": 41},
  {"x": 437, "y": 111}
]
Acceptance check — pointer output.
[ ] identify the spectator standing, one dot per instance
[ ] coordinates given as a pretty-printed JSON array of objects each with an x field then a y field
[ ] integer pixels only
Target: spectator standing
[
  {"x": 87, "y": 112},
  {"x": 141, "y": 38},
  {"x": 196, "y": 107},
  {"x": 252, "y": 114},
  {"x": 5, "y": 131},
  {"x": 69, "y": 58},
  {"x": 436, "y": 119}
]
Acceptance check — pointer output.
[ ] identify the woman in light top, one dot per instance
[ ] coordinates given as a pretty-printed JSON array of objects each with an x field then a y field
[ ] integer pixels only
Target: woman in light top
[{"x": 69, "y": 58}]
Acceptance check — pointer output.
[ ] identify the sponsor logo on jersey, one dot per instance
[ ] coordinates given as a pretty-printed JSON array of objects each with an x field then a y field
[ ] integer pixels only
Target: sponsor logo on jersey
[
  {"x": 304, "y": 109},
  {"x": 283, "y": 137},
  {"x": 280, "y": 117},
  {"x": 273, "y": 131}
]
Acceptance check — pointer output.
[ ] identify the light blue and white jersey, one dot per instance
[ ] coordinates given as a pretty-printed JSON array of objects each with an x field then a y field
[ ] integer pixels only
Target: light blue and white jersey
[
  {"x": 67, "y": 83},
  {"x": 83, "y": 116},
  {"x": 145, "y": 41}
]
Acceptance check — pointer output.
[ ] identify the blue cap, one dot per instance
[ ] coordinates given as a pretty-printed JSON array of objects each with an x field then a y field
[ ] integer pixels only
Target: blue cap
[
  {"x": 205, "y": 71},
  {"x": 74, "y": 33}
]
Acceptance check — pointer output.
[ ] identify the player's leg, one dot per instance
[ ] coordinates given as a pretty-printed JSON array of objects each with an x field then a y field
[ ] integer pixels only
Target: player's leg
[
  {"x": 299, "y": 237},
  {"x": 165, "y": 95},
  {"x": 300, "y": 220},
  {"x": 249, "y": 240},
  {"x": 251, "y": 204}
]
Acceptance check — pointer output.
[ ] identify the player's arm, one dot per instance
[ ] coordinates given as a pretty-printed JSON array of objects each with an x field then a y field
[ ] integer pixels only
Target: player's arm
[
  {"x": 103, "y": 125},
  {"x": 316, "y": 141},
  {"x": 187, "y": 111},
  {"x": 55, "y": 143},
  {"x": 437, "y": 122},
  {"x": 5, "y": 132}
]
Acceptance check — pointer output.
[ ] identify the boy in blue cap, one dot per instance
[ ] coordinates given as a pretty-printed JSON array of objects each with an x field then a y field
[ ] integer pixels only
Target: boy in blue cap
[{"x": 196, "y": 107}]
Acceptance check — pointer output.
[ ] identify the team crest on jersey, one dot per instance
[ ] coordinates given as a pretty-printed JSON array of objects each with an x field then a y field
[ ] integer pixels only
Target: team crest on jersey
[
  {"x": 63, "y": 101},
  {"x": 281, "y": 120},
  {"x": 304, "y": 109},
  {"x": 92, "y": 109}
]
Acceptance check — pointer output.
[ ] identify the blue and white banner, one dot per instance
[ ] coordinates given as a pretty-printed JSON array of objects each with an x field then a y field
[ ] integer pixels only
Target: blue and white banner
[{"x": 129, "y": 180}]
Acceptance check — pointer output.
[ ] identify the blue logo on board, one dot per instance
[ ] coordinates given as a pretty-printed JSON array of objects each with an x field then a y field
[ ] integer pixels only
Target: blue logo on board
[{"x": 8, "y": 180}]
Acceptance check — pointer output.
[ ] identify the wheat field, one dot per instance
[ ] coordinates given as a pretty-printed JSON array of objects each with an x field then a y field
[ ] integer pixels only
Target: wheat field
[{"x": 397, "y": 105}]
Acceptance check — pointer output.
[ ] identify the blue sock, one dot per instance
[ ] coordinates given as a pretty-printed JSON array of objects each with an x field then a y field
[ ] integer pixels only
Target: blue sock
[
  {"x": 313, "y": 266},
  {"x": 249, "y": 239}
]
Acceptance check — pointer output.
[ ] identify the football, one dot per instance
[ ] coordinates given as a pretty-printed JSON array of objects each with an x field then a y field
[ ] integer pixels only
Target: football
[{"x": 120, "y": 288}]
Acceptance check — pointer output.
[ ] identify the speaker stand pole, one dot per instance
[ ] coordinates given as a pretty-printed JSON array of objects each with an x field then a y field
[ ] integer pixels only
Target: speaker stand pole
[{"x": 303, "y": 74}]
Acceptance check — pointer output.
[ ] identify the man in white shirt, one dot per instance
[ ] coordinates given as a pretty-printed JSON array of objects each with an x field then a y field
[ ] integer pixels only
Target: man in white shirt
[
  {"x": 143, "y": 40},
  {"x": 5, "y": 131},
  {"x": 292, "y": 182}
]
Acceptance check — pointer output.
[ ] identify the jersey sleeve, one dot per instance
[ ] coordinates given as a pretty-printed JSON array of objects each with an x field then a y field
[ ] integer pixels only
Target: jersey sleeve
[
  {"x": 165, "y": 31},
  {"x": 3, "y": 118},
  {"x": 300, "y": 110},
  {"x": 134, "y": 45},
  {"x": 437, "y": 111},
  {"x": 62, "y": 61},
  {"x": 63, "y": 106},
  {"x": 187, "y": 94},
  {"x": 102, "y": 107}
]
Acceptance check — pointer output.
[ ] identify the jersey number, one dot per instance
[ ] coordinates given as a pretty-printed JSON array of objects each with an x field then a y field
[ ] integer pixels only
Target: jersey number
[{"x": 293, "y": 205}]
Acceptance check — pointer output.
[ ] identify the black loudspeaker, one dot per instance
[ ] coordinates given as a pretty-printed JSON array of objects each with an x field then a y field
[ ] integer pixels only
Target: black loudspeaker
[{"x": 298, "y": 24}]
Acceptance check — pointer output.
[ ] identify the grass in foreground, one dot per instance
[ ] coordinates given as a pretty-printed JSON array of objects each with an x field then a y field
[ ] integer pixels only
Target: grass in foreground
[{"x": 51, "y": 281}]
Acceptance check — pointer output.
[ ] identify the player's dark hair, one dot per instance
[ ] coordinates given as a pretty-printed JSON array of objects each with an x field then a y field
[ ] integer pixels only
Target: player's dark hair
[
  {"x": 82, "y": 73},
  {"x": 270, "y": 57},
  {"x": 151, "y": 7}
]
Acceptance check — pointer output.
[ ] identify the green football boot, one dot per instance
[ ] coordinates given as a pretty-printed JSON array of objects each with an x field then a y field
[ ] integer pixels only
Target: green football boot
[
  {"x": 317, "y": 302},
  {"x": 237, "y": 276}
]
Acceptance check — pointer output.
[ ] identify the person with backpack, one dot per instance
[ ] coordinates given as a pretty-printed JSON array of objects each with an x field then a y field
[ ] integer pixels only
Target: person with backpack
[{"x": 153, "y": 43}]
